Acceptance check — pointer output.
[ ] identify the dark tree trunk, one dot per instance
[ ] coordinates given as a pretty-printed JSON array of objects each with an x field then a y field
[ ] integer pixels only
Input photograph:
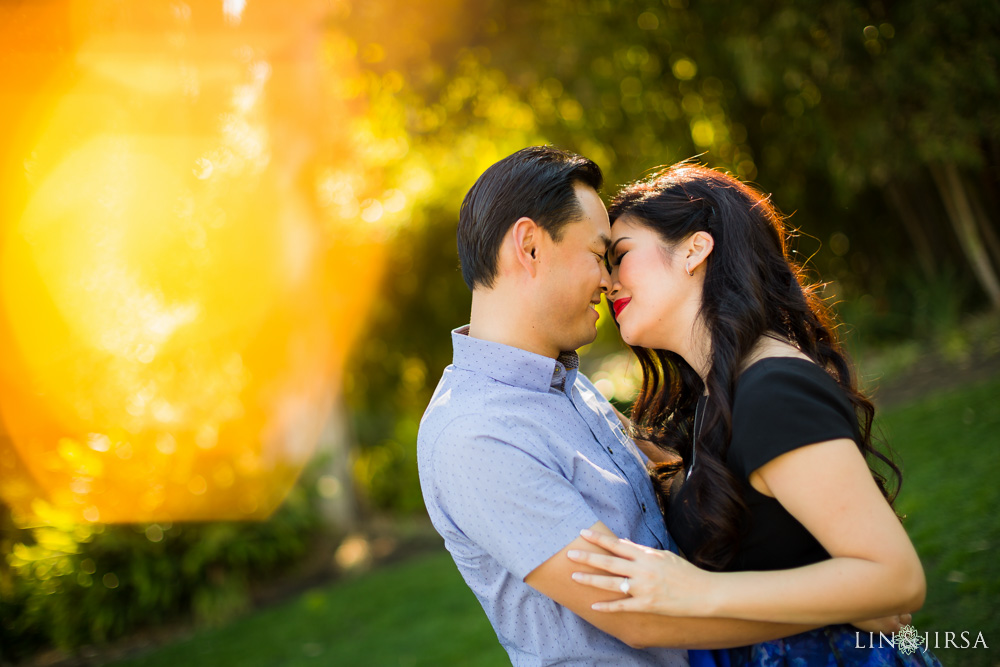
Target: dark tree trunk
[
  {"x": 963, "y": 221},
  {"x": 903, "y": 205}
]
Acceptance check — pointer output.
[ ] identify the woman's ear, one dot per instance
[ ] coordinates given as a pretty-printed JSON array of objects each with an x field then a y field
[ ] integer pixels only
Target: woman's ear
[
  {"x": 526, "y": 235},
  {"x": 699, "y": 247}
]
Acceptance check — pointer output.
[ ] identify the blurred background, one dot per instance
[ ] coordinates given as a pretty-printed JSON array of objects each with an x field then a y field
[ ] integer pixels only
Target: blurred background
[{"x": 228, "y": 271}]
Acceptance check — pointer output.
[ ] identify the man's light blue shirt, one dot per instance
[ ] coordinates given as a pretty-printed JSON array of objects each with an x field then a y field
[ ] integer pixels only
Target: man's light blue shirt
[{"x": 517, "y": 453}]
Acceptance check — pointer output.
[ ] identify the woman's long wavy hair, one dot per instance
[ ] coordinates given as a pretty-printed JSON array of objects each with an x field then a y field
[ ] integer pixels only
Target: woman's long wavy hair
[{"x": 752, "y": 288}]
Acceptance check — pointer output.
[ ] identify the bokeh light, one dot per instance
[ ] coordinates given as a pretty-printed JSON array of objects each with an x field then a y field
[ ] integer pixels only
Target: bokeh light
[{"x": 173, "y": 318}]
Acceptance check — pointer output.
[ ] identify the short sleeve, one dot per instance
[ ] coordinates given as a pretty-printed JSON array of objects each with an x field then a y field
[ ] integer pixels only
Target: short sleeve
[
  {"x": 506, "y": 497},
  {"x": 781, "y": 404}
]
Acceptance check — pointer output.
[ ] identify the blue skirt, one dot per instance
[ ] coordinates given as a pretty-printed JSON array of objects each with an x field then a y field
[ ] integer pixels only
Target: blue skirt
[{"x": 832, "y": 646}]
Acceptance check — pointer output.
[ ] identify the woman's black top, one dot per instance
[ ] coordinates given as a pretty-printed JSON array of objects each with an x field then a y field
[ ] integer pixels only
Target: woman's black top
[{"x": 779, "y": 404}]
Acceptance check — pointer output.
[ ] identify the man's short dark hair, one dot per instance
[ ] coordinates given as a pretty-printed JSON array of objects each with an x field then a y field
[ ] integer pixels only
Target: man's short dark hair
[{"x": 535, "y": 182}]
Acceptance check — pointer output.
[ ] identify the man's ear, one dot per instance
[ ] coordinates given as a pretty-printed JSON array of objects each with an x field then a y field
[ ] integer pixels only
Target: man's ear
[
  {"x": 527, "y": 234},
  {"x": 699, "y": 247}
]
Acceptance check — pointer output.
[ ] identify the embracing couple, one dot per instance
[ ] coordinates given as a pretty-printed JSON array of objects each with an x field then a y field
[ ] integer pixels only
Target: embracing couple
[{"x": 735, "y": 518}]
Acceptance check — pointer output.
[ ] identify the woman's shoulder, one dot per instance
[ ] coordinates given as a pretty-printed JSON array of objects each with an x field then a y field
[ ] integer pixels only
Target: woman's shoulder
[
  {"x": 788, "y": 378},
  {"x": 781, "y": 403},
  {"x": 778, "y": 368}
]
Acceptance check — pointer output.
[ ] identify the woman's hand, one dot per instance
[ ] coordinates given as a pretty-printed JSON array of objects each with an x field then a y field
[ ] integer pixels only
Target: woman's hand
[{"x": 659, "y": 582}]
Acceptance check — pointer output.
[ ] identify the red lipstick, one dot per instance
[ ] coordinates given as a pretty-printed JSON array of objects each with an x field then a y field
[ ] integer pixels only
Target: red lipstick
[{"x": 619, "y": 305}]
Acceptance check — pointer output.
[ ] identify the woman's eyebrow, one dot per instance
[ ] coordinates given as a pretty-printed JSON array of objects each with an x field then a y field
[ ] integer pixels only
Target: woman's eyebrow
[{"x": 614, "y": 245}]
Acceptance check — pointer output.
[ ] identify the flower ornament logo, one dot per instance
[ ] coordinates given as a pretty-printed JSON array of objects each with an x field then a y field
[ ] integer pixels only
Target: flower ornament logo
[{"x": 907, "y": 640}]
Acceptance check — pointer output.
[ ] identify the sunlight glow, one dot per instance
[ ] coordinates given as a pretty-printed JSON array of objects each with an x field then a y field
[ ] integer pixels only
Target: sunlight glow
[{"x": 170, "y": 324}]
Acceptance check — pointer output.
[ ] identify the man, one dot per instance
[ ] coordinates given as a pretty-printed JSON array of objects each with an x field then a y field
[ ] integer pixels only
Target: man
[{"x": 518, "y": 452}]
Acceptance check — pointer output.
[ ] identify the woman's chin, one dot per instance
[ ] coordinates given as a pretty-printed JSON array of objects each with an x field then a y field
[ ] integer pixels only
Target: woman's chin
[
  {"x": 629, "y": 337},
  {"x": 637, "y": 339}
]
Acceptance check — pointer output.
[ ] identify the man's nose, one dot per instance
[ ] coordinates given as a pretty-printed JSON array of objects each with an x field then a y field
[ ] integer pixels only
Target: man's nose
[
  {"x": 609, "y": 286},
  {"x": 605, "y": 281}
]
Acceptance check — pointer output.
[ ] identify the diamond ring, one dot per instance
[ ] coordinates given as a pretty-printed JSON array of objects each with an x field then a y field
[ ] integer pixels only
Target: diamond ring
[{"x": 624, "y": 586}]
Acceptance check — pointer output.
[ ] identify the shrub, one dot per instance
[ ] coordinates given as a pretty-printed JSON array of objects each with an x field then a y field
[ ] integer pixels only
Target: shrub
[{"x": 64, "y": 584}]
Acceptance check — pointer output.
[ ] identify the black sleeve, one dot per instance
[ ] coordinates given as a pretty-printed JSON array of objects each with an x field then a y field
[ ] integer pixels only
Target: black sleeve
[{"x": 781, "y": 404}]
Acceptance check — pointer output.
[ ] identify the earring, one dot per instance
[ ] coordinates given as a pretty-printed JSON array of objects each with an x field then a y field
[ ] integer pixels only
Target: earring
[{"x": 688, "y": 269}]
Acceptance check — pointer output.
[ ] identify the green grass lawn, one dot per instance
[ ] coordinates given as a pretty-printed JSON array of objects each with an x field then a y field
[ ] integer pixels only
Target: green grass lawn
[
  {"x": 421, "y": 613},
  {"x": 416, "y": 613},
  {"x": 949, "y": 445}
]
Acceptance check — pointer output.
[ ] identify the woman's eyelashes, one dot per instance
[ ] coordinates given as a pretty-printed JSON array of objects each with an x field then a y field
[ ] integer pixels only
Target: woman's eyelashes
[{"x": 612, "y": 262}]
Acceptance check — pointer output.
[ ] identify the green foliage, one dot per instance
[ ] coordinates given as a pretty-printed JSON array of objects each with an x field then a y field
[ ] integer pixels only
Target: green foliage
[
  {"x": 67, "y": 585},
  {"x": 387, "y": 472},
  {"x": 390, "y": 381},
  {"x": 916, "y": 307}
]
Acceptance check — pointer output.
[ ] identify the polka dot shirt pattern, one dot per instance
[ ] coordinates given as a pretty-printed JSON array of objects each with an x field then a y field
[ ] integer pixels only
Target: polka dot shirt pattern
[{"x": 517, "y": 452}]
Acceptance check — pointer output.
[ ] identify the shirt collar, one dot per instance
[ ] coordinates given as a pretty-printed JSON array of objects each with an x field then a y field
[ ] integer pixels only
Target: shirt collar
[{"x": 512, "y": 365}]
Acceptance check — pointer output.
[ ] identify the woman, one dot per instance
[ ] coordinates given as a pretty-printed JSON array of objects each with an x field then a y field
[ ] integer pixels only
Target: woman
[{"x": 770, "y": 494}]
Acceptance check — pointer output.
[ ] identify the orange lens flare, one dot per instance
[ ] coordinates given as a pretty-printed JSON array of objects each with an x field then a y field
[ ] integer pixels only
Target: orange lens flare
[{"x": 171, "y": 329}]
